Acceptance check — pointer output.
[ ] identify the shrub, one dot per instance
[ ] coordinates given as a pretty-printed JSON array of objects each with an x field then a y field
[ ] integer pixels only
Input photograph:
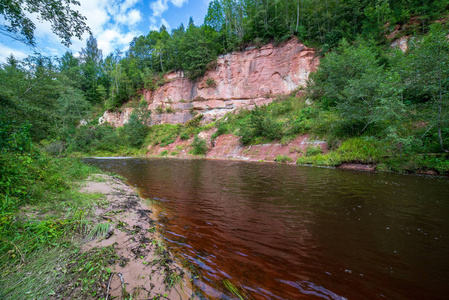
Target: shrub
[
  {"x": 210, "y": 82},
  {"x": 283, "y": 159},
  {"x": 137, "y": 127},
  {"x": 313, "y": 150},
  {"x": 167, "y": 141},
  {"x": 260, "y": 124},
  {"x": 184, "y": 136},
  {"x": 164, "y": 153},
  {"x": 159, "y": 110},
  {"x": 199, "y": 146},
  {"x": 285, "y": 140}
]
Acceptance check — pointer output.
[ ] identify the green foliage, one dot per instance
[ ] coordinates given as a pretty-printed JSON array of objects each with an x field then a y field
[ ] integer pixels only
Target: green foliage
[
  {"x": 184, "y": 136},
  {"x": 137, "y": 127},
  {"x": 34, "y": 178},
  {"x": 210, "y": 82},
  {"x": 169, "y": 110},
  {"x": 65, "y": 21},
  {"x": 428, "y": 72},
  {"x": 313, "y": 150},
  {"x": 99, "y": 138},
  {"x": 238, "y": 292},
  {"x": 260, "y": 124},
  {"x": 281, "y": 120},
  {"x": 354, "y": 150},
  {"x": 352, "y": 82},
  {"x": 283, "y": 159},
  {"x": 199, "y": 146},
  {"x": 416, "y": 163},
  {"x": 97, "y": 231},
  {"x": 162, "y": 135},
  {"x": 86, "y": 270}
]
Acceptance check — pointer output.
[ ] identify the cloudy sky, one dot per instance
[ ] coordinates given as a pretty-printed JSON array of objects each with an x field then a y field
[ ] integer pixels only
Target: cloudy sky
[{"x": 113, "y": 22}]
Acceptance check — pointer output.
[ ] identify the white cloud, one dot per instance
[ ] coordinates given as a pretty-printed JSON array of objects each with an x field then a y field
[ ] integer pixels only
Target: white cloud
[
  {"x": 113, "y": 38},
  {"x": 111, "y": 23},
  {"x": 6, "y": 51},
  {"x": 131, "y": 18},
  {"x": 159, "y": 7},
  {"x": 178, "y": 3},
  {"x": 127, "y": 4},
  {"x": 96, "y": 13}
]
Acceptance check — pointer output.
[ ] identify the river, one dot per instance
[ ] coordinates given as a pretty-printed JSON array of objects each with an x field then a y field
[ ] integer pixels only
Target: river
[{"x": 289, "y": 232}]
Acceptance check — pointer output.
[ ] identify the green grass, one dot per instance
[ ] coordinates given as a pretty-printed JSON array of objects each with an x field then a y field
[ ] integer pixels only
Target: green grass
[
  {"x": 42, "y": 216},
  {"x": 97, "y": 231},
  {"x": 355, "y": 150},
  {"x": 238, "y": 292},
  {"x": 283, "y": 159},
  {"x": 86, "y": 272},
  {"x": 41, "y": 276}
]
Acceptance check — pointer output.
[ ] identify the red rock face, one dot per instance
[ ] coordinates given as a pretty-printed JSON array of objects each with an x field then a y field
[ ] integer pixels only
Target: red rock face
[{"x": 239, "y": 80}]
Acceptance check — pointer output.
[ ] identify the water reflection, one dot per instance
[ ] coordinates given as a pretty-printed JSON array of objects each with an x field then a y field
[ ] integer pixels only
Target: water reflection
[{"x": 287, "y": 232}]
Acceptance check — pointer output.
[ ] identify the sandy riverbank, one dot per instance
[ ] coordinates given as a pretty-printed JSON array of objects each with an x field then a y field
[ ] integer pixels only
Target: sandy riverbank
[{"x": 144, "y": 268}]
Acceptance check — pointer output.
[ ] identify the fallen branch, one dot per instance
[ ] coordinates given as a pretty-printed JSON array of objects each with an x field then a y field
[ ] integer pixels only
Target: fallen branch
[
  {"x": 109, "y": 284},
  {"x": 107, "y": 218},
  {"x": 123, "y": 284}
]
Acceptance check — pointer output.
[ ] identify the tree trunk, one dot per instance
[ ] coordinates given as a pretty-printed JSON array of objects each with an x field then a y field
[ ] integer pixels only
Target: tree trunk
[
  {"x": 297, "y": 18},
  {"x": 440, "y": 104}
]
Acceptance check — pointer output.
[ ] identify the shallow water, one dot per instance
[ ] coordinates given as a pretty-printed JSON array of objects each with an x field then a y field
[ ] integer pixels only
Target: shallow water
[{"x": 289, "y": 232}]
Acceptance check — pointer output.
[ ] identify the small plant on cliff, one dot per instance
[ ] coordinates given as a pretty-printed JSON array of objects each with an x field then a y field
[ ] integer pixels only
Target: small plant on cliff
[
  {"x": 210, "y": 82},
  {"x": 199, "y": 146},
  {"x": 169, "y": 110},
  {"x": 159, "y": 110}
]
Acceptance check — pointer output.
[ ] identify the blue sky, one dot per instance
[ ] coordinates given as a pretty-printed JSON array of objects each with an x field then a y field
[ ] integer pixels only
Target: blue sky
[{"x": 113, "y": 22}]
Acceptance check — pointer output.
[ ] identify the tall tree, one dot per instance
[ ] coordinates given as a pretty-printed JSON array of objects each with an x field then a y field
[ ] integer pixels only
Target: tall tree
[
  {"x": 430, "y": 66},
  {"x": 91, "y": 57}
]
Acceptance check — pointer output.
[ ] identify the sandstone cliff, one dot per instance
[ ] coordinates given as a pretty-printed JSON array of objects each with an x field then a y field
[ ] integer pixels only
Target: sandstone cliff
[{"x": 239, "y": 79}]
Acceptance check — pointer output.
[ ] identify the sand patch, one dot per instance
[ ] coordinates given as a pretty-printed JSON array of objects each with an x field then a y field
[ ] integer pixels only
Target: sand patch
[{"x": 144, "y": 268}]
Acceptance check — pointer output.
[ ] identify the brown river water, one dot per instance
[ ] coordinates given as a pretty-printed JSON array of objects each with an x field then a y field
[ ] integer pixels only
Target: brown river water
[{"x": 289, "y": 232}]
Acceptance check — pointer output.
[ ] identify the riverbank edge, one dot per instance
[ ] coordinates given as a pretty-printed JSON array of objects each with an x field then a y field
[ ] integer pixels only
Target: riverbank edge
[
  {"x": 301, "y": 150},
  {"x": 349, "y": 166},
  {"x": 114, "y": 252},
  {"x": 145, "y": 263}
]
